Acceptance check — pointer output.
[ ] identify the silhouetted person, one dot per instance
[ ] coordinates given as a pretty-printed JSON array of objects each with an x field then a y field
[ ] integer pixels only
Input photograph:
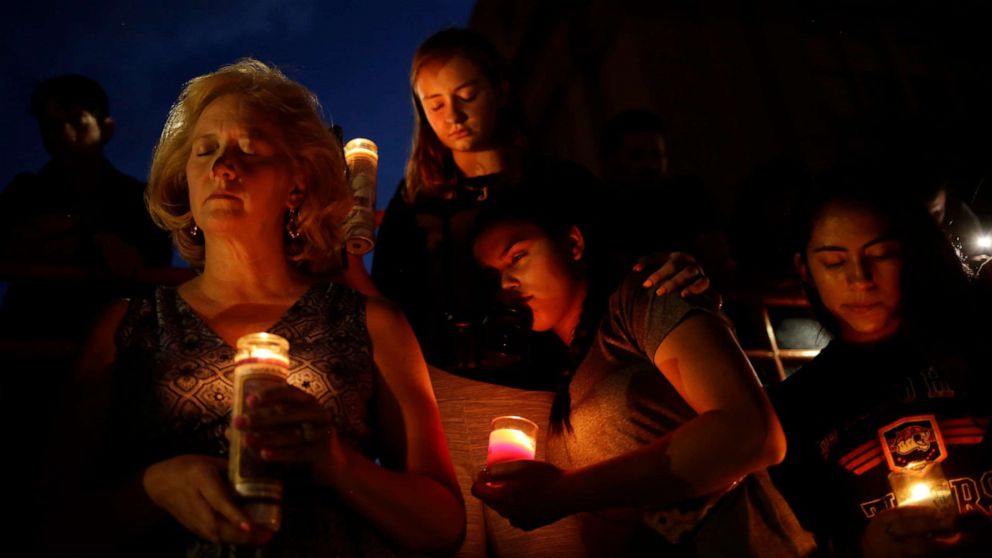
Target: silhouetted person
[
  {"x": 74, "y": 232},
  {"x": 77, "y": 211},
  {"x": 762, "y": 207},
  {"x": 655, "y": 210}
]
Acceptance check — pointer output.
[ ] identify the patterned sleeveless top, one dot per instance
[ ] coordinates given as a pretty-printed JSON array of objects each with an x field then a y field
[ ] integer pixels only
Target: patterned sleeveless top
[{"x": 173, "y": 389}]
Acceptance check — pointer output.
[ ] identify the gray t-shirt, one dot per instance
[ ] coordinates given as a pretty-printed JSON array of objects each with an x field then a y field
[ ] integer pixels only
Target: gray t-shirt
[{"x": 620, "y": 402}]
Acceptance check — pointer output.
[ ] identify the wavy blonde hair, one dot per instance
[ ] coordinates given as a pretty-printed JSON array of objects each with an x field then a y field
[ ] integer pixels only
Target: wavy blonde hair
[{"x": 314, "y": 152}]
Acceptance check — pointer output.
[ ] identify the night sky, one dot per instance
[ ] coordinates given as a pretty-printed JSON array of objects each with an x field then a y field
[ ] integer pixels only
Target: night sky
[{"x": 353, "y": 54}]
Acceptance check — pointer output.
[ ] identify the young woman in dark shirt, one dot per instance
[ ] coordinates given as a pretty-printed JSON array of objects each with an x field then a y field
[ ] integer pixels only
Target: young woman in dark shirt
[{"x": 905, "y": 365}]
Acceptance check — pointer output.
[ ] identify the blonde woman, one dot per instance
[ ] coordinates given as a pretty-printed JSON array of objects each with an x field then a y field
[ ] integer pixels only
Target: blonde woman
[{"x": 252, "y": 186}]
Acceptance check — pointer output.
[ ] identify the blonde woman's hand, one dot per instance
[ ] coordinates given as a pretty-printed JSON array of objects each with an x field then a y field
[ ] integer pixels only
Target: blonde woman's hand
[
  {"x": 194, "y": 490},
  {"x": 286, "y": 425}
]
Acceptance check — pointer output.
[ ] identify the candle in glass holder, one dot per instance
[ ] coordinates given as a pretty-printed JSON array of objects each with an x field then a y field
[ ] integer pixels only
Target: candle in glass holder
[
  {"x": 262, "y": 362},
  {"x": 511, "y": 438},
  {"x": 362, "y": 157},
  {"x": 923, "y": 485}
]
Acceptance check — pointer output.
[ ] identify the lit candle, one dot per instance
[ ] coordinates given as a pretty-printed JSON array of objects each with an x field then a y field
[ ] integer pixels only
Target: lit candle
[
  {"x": 262, "y": 362},
  {"x": 263, "y": 348},
  {"x": 362, "y": 157},
  {"x": 919, "y": 493},
  {"x": 921, "y": 486},
  {"x": 266, "y": 354},
  {"x": 510, "y": 439},
  {"x": 509, "y": 444}
]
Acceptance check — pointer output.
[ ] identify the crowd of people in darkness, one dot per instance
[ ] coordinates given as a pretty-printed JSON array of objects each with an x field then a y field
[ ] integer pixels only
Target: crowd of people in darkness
[{"x": 503, "y": 267}]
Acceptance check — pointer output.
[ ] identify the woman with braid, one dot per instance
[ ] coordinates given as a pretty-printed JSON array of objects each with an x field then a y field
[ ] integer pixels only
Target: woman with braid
[{"x": 661, "y": 430}]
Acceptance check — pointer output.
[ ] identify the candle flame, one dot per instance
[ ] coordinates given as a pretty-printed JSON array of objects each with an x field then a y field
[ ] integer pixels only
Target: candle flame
[
  {"x": 264, "y": 354},
  {"x": 918, "y": 492},
  {"x": 361, "y": 146},
  {"x": 513, "y": 436}
]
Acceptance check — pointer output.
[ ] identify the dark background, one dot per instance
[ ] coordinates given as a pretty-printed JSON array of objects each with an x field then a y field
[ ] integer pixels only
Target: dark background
[
  {"x": 746, "y": 87},
  {"x": 757, "y": 93}
]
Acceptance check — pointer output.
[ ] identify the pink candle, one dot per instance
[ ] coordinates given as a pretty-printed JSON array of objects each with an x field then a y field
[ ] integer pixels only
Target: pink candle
[{"x": 509, "y": 444}]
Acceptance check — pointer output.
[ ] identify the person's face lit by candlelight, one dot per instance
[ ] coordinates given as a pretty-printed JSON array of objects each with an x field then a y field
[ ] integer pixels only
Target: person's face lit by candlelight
[
  {"x": 855, "y": 266},
  {"x": 542, "y": 271},
  {"x": 238, "y": 172},
  {"x": 460, "y": 102}
]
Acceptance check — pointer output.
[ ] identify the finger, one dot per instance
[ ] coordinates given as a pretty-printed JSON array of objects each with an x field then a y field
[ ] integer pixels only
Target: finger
[
  {"x": 236, "y": 534},
  {"x": 508, "y": 469},
  {"x": 670, "y": 264},
  {"x": 700, "y": 286},
  {"x": 218, "y": 496},
  {"x": 644, "y": 262},
  {"x": 299, "y": 453},
  {"x": 284, "y": 401},
  {"x": 273, "y": 438},
  {"x": 485, "y": 491},
  {"x": 651, "y": 260},
  {"x": 302, "y": 434},
  {"x": 483, "y": 475},
  {"x": 662, "y": 275},
  {"x": 679, "y": 278},
  {"x": 922, "y": 546},
  {"x": 203, "y": 521},
  {"x": 281, "y": 416},
  {"x": 285, "y": 394},
  {"x": 917, "y": 522}
]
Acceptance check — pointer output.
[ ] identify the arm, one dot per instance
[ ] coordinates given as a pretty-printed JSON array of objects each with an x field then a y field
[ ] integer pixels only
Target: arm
[
  {"x": 100, "y": 510},
  {"x": 735, "y": 433},
  {"x": 414, "y": 497},
  {"x": 71, "y": 464}
]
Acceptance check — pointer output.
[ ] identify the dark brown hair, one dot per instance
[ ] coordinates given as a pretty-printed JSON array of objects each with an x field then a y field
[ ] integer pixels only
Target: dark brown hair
[{"x": 935, "y": 284}]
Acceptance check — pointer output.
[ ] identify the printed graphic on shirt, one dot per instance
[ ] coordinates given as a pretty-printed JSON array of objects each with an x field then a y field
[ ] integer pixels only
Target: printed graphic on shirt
[
  {"x": 937, "y": 386},
  {"x": 953, "y": 432},
  {"x": 863, "y": 458},
  {"x": 910, "y": 442},
  {"x": 964, "y": 430},
  {"x": 969, "y": 495},
  {"x": 972, "y": 495},
  {"x": 872, "y": 507}
]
